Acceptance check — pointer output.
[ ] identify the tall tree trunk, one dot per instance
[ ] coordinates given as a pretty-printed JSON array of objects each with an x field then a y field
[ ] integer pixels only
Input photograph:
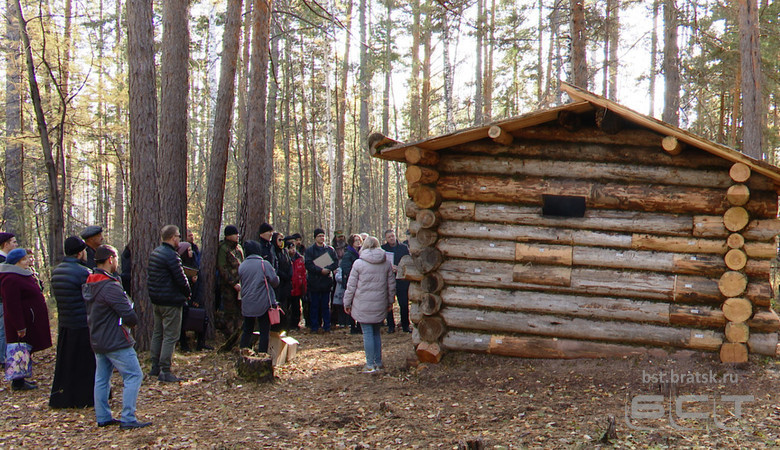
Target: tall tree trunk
[
  {"x": 614, "y": 40},
  {"x": 386, "y": 111},
  {"x": 449, "y": 109},
  {"x": 174, "y": 93},
  {"x": 13, "y": 197},
  {"x": 579, "y": 62},
  {"x": 56, "y": 216},
  {"x": 121, "y": 173},
  {"x": 341, "y": 134},
  {"x": 145, "y": 202},
  {"x": 270, "y": 127},
  {"x": 256, "y": 186},
  {"x": 425, "y": 99},
  {"x": 478, "y": 91},
  {"x": 653, "y": 57},
  {"x": 220, "y": 146},
  {"x": 414, "y": 79},
  {"x": 488, "y": 84},
  {"x": 365, "y": 92},
  {"x": 540, "y": 56},
  {"x": 671, "y": 66},
  {"x": 753, "y": 116}
]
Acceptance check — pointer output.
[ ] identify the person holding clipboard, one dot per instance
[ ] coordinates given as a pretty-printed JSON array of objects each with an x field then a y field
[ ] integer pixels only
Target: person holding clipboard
[{"x": 320, "y": 262}]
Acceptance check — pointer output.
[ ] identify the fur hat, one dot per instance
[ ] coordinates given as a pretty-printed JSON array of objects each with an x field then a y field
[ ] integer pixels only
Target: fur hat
[
  {"x": 265, "y": 227},
  {"x": 15, "y": 255},
  {"x": 92, "y": 230},
  {"x": 231, "y": 230},
  {"x": 4, "y": 236},
  {"x": 318, "y": 231},
  {"x": 74, "y": 245}
]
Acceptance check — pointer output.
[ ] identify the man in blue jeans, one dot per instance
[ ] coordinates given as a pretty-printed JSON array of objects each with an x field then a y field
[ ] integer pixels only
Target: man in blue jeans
[
  {"x": 110, "y": 316},
  {"x": 320, "y": 262}
]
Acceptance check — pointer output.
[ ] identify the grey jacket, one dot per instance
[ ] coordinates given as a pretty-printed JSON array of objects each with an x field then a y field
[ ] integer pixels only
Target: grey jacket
[
  {"x": 371, "y": 287},
  {"x": 258, "y": 279},
  {"x": 109, "y": 313}
]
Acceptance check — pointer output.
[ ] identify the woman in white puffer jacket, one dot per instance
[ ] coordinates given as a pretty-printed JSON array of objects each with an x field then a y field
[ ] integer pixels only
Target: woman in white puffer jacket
[{"x": 369, "y": 297}]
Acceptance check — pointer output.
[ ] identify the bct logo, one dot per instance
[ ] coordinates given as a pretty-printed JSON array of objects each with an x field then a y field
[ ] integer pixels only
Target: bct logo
[{"x": 683, "y": 407}]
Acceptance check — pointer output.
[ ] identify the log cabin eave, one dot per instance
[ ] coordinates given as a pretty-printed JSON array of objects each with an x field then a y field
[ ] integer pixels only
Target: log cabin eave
[{"x": 584, "y": 102}]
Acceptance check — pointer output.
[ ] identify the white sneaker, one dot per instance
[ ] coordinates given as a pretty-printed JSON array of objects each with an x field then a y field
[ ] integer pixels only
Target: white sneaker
[{"x": 368, "y": 370}]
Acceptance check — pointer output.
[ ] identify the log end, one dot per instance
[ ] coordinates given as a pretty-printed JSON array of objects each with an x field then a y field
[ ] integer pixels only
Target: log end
[
  {"x": 429, "y": 352},
  {"x": 733, "y": 352}
]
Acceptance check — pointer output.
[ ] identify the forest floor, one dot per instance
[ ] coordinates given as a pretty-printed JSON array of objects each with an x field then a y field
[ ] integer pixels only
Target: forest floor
[{"x": 321, "y": 400}]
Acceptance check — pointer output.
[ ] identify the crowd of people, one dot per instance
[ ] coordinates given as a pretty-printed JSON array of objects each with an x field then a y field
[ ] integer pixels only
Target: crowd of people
[{"x": 349, "y": 283}]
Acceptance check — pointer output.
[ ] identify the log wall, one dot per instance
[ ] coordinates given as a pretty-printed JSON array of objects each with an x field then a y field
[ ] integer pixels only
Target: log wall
[{"x": 674, "y": 250}]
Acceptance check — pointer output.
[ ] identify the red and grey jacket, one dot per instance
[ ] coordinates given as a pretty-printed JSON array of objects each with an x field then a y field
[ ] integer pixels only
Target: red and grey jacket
[
  {"x": 110, "y": 313},
  {"x": 298, "y": 276}
]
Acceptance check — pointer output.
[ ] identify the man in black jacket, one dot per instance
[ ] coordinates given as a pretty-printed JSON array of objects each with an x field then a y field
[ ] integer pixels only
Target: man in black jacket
[
  {"x": 398, "y": 251},
  {"x": 93, "y": 236},
  {"x": 110, "y": 316},
  {"x": 169, "y": 290},
  {"x": 74, "y": 370},
  {"x": 320, "y": 280}
]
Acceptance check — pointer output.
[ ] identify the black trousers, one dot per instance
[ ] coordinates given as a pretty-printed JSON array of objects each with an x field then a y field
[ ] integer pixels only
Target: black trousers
[{"x": 263, "y": 326}]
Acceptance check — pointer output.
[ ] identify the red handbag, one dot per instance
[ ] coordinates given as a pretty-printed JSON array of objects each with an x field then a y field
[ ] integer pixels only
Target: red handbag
[{"x": 274, "y": 312}]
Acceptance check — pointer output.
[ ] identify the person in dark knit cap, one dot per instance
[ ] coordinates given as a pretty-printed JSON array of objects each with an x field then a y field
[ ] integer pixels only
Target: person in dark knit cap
[
  {"x": 74, "y": 370},
  {"x": 93, "y": 237},
  {"x": 320, "y": 280},
  {"x": 266, "y": 248}
]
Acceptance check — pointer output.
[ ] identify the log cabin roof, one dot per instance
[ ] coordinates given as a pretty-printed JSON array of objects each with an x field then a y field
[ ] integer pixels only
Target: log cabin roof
[{"x": 583, "y": 101}]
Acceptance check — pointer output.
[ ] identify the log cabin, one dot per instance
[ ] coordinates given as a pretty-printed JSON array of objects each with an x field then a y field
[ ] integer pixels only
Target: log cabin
[{"x": 587, "y": 230}]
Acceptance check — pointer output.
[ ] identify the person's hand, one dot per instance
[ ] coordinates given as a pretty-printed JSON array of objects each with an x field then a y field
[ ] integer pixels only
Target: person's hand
[
  {"x": 325, "y": 272},
  {"x": 22, "y": 333},
  {"x": 237, "y": 287},
  {"x": 196, "y": 304},
  {"x": 348, "y": 310}
]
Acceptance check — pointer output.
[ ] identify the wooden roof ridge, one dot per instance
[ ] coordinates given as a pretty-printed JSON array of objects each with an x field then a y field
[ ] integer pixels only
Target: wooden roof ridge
[
  {"x": 653, "y": 124},
  {"x": 584, "y": 101}
]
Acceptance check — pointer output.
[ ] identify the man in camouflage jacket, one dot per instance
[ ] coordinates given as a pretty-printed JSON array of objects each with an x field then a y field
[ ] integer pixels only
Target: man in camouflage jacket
[{"x": 229, "y": 257}]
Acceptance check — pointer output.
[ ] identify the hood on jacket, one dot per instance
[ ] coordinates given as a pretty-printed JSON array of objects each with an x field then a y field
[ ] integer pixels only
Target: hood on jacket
[
  {"x": 13, "y": 268},
  {"x": 95, "y": 283},
  {"x": 373, "y": 255}
]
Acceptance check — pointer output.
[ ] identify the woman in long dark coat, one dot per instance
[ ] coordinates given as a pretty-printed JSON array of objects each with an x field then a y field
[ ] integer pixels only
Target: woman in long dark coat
[{"x": 26, "y": 315}]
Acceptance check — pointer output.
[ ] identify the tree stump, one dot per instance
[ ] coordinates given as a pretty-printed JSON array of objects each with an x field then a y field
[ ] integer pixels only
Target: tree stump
[{"x": 255, "y": 367}]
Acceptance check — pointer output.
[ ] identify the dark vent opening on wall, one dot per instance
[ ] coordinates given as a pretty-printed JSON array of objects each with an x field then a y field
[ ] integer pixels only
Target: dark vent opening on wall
[{"x": 563, "y": 206}]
